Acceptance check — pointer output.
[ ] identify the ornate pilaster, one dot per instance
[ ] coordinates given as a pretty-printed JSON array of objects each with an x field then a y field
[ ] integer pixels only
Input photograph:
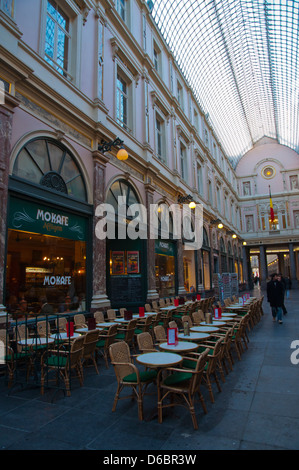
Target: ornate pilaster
[
  {"x": 152, "y": 293},
  {"x": 6, "y": 114},
  {"x": 99, "y": 295}
]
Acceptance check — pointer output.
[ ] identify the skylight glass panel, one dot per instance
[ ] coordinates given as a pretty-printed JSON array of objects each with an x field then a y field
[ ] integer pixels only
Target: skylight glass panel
[{"x": 240, "y": 58}]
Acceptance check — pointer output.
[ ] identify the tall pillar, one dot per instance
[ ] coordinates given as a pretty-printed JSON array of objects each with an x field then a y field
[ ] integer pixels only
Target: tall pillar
[
  {"x": 293, "y": 266},
  {"x": 245, "y": 266},
  {"x": 99, "y": 294},
  {"x": 152, "y": 293},
  {"x": 263, "y": 267},
  {"x": 180, "y": 263},
  {"x": 6, "y": 115}
]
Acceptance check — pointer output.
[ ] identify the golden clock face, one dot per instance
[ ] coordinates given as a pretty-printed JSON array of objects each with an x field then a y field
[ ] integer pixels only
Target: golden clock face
[{"x": 268, "y": 172}]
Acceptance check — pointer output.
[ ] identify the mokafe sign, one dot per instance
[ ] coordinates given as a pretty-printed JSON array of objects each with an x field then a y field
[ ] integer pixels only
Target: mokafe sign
[{"x": 37, "y": 218}]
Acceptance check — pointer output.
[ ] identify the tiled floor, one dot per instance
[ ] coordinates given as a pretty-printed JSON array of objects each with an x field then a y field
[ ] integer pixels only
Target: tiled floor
[{"x": 257, "y": 408}]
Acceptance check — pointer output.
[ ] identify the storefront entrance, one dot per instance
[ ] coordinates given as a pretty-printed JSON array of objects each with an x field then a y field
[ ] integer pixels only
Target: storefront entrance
[{"x": 46, "y": 257}]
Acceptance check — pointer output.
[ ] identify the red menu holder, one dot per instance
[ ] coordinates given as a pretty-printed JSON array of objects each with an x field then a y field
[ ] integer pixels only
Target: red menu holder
[
  {"x": 141, "y": 311},
  {"x": 198, "y": 297},
  {"x": 70, "y": 328},
  {"x": 91, "y": 323},
  {"x": 176, "y": 302},
  {"x": 217, "y": 312},
  {"x": 128, "y": 314},
  {"x": 172, "y": 336}
]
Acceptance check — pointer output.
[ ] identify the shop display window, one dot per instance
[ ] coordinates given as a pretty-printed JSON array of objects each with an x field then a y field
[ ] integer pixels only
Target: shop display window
[{"x": 42, "y": 267}]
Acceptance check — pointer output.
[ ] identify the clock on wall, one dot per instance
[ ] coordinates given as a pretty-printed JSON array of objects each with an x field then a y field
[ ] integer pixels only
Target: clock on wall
[{"x": 268, "y": 172}]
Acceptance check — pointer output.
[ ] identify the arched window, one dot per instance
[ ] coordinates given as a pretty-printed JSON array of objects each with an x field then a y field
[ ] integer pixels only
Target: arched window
[
  {"x": 222, "y": 246},
  {"x": 124, "y": 189},
  {"x": 205, "y": 239},
  {"x": 49, "y": 163}
]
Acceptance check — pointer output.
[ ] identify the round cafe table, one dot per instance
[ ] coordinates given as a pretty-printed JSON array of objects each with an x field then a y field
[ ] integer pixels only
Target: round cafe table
[
  {"x": 106, "y": 324},
  {"x": 205, "y": 329},
  {"x": 180, "y": 347},
  {"x": 38, "y": 341},
  {"x": 159, "y": 359},
  {"x": 64, "y": 336},
  {"x": 228, "y": 314},
  {"x": 215, "y": 323},
  {"x": 194, "y": 336}
]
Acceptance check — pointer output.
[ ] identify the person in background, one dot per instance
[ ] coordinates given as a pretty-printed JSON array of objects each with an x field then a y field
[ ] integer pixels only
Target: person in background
[
  {"x": 46, "y": 308},
  {"x": 275, "y": 295},
  {"x": 22, "y": 309},
  {"x": 288, "y": 285},
  {"x": 282, "y": 279}
]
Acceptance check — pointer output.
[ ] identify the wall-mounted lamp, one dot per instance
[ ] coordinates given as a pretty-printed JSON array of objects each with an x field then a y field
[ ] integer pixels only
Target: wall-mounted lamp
[
  {"x": 218, "y": 222},
  {"x": 229, "y": 232},
  {"x": 188, "y": 199},
  {"x": 244, "y": 243},
  {"x": 122, "y": 154}
]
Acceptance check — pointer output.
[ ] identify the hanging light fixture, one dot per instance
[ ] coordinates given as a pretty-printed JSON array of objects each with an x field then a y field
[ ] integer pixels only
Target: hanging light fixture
[{"x": 122, "y": 154}]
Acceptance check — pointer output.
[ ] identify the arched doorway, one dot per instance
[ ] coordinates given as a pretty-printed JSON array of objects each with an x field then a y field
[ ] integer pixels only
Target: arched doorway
[{"x": 126, "y": 258}]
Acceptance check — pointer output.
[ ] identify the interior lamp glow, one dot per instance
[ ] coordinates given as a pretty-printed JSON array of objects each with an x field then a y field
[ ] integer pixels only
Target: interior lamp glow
[
  {"x": 192, "y": 205},
  {"x": 220, "y": 225}
]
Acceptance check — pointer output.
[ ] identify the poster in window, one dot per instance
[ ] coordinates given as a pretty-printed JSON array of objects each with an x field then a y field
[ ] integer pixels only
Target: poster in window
[
  {"x": 133, "y": 262},
  {"x": 118, "y": 262}
]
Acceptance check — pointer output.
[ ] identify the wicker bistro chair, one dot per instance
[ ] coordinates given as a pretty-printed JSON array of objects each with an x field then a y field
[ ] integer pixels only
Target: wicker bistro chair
[
  {"x": 127, "y": 334},
  {"x": 99, "y": 316},
  {"x": 63, "y": 362},
  {"x": 143, "y": 326},
  {"x": 198, "y": 317},
  {"x": 9, "y": 356},
  {"x": 184, "y": 384},
  {"x": 210, "y": 372},
  {"x": 80, "y": 321},
  {"x": 89, "y": 347},
  {"x": 111, "y": 315},
  {"x": 159, "y": 333},
  {"x": 145, "y": 343},
  {"x": 128, "y": 375},
  {"x": 104, "y": 342},
  {"x": 43, "y": 328},
  {"x": 60, "y": 323}
]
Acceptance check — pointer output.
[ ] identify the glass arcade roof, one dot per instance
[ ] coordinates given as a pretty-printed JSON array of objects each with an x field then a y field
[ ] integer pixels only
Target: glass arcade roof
[{"x": 241, "y": 60}]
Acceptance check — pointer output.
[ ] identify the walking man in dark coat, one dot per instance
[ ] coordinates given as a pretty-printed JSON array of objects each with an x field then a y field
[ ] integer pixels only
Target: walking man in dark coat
[{"x": 275, "y": 295}]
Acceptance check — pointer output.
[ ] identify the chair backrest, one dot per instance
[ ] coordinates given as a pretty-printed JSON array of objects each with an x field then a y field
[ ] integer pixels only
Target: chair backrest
[
  {"x": 21, "y": 332},
  {"x": 159, "y": 333},
  {"x": 147, "y": 323},
  {"x": 122, "y": 311},
  {"x": 76, "y": 351},
  {"x": 111, "y": 314},
  {"x": 213, "y": 358},
  {"x": 172, "y": 324},
  {"x": 90, "y": 342},
  {"x": 148, "y": 308},
  {"x": 145, "y": 342},
  {"x": 187, "y": 318},
  {"x": 199, "y": 369},
  {"x": 130, "y": 330},
  {"x": 60, "y": 323},
  {"x": 43, "y": 328},
  {"x": 198, "y": 317},
  {"x": 79, "y": 319},
  {"x": 109, "y": 337},
  {"x": 120, "y": 359},
  {"x": 162, "y": 303},
  {"x": 99, "y": 316}
]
